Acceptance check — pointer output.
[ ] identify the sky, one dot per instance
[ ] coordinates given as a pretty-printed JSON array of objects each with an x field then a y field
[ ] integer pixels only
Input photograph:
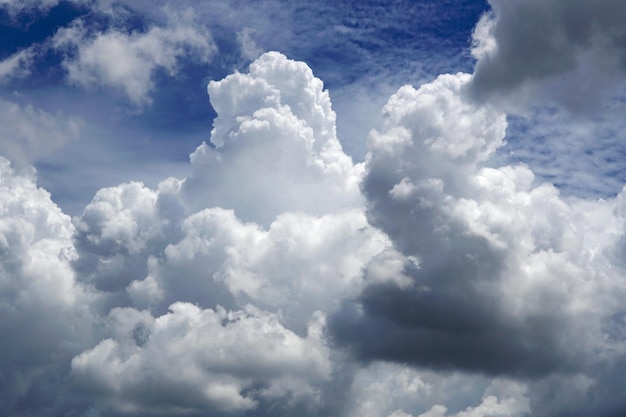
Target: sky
[{"x": 334, "y": 209}]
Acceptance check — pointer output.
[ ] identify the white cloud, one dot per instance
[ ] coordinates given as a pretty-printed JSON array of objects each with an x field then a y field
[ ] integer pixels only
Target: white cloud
[
  {"x": 501, "y": 399},
  {"x": 399, "y": 413},
  {"x": 45, "y": 319},
  {"x": 300, "y": 265},
  {"x": 29, "y": 133},
  {"x": 17, "y": 65},
  {"x": 193, "y": 360},
  {"x": 274, "y": 140},
  {"x": 160, "y": 249},
  {"x": 131, "y": 61}
]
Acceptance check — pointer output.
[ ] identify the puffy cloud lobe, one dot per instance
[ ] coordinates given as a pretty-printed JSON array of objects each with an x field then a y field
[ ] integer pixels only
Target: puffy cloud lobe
[
  {"x": 498, "y": 269},
  {"x": 300, "y": 265},
  {"x": 128, "y": 233},
  {"x": 120, "y": 228},
  {"x": 502, "y": 398},
  {"x": 44, "y": 316},
  {"x": 396, "y": 390},
  {"x": 274, "y": 142},
  {"x": 197, "y": 361},
  {"x": 131, "y": 61},
  {"x": 566, "y": 51}
]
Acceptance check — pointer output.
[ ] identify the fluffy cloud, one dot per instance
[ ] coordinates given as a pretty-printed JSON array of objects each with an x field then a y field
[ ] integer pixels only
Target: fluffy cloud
[
  {"x": 44, "y": 313},
  {"x": 131, "y": 61},
  {"x": 274, "y": 141},
  {"x": 501, "y": 275},
  {"x": 396, "y": 390},
  {"x": 197, "y": 361},
  {"x": 248, "y": 278},
  {"x": 452, "y": 287}
]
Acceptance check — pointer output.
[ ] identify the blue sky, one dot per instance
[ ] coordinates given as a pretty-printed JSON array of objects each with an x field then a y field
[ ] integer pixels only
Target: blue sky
[{"x": 339, "y": 208}]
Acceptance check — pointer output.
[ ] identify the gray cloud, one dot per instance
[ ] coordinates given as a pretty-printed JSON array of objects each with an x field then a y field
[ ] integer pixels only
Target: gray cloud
[
  {"x": 569, "y": 51},
  {"x": 46, "y": 317},
  {"x": 492, "y": 262}
]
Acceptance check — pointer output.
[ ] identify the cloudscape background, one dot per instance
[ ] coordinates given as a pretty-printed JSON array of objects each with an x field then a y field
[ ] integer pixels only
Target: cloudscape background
[{"x": 271, "y": 208}]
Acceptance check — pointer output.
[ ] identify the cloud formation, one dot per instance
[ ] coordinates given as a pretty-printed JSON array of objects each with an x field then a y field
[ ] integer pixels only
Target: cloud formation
[
  {"x": 130, "y": 61},
  {"x": 201, "y": 361},
  {"x": 280, "y": 278},
  {"x": 17, "y": 65},
  {"x": 45, "y": 316},
  {"x": 181, "y": 262},
  {"x": 571, "y": 52},
  {"x": 30, "y": 133},
  {"x": 499, "y": 275},
  {"x": 275, "y": 141}
]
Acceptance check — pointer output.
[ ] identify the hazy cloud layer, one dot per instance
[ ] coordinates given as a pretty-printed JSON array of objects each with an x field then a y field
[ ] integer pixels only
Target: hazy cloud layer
[{"x": 29, "y": 133}]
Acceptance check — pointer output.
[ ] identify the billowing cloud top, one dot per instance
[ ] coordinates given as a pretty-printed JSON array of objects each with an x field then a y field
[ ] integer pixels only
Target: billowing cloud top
[{"x": 434, "y": 279}]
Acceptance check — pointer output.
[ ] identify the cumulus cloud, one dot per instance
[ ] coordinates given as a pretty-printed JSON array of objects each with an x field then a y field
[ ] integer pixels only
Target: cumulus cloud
[
  {"x": 130, "y": 61},
  {"x": 251, "y": 277},
  {"x": 197, "y": 361},
  {"x": 281, "y": 278},
  {"x": 45, "y": 318},
  {"x": 571, "y": 52},
  {"x": 274, "y": 140},
  {"x": 501, "y": 275}
]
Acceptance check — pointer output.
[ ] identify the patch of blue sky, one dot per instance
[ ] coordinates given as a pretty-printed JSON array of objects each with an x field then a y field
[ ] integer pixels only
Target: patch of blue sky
[{"x": 583, "y": 157}]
